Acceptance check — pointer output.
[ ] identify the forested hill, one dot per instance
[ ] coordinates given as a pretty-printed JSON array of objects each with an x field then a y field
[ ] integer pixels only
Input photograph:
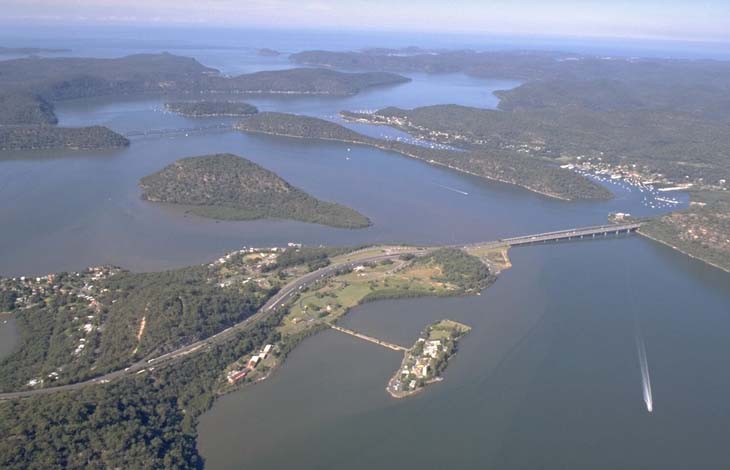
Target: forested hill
[
  {"x": 50, "y": 137},
  {"x": 306, "y": 81},
  {"x": 295, "y": 125},
  {"x": 20, "y": 108},
  {"x": 232, "y": 188},
  {"x": 211, "y": 108},
  {"x": 534, "y": 174},
  {"x": 68, "y": 78}
]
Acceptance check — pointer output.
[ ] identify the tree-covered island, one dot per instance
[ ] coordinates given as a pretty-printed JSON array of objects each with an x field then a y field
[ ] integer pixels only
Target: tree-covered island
[
  {"x": 211, "y": 108},
  {"x": 228, "y": 187}
]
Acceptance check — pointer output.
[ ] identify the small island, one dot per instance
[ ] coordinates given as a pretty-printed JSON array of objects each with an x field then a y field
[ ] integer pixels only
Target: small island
[
  {"x": 427, "y": 359},
  {"x": 211, "y": 108},
  {"x": 266, "y": 52},
  {"x": 228, "y": 187}
]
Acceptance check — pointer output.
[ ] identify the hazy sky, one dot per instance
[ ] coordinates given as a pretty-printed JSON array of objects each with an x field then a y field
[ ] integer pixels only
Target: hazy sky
[{"x": 680, "y": 19}]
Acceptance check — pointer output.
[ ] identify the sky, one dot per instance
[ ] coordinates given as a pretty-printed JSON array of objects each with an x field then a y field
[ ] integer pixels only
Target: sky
[{"x": 702, "y": 20}]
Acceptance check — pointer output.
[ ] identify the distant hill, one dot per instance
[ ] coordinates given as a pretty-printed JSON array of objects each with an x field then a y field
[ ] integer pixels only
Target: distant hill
[
  {"x": 30, "y": 86},
  {"x": 301, "y": 81},
  {"x": 24, "y": 108},
  {"x": 30, "y": 50},
  {"x": 211, "y": 108},
  {"x": 228, "y": 187},
  {"x": 56, "y": 79}
]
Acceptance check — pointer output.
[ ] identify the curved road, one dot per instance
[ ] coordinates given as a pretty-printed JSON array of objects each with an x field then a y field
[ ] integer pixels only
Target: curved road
[
  {"x": 291, "y": 289},
  {"x": 278, "y": 300}
]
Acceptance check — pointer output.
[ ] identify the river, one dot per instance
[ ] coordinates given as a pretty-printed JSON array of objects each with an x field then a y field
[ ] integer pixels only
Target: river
[{"x": 549, "y": 377}]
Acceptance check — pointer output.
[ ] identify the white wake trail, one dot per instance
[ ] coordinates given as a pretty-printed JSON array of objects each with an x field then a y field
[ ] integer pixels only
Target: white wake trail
[
  {"x": 453, "y": 189},
  {"x": 644, "y": 366}
]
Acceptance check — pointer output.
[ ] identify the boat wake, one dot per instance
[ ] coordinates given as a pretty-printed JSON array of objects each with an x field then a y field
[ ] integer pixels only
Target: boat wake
[
  {"x": 453, "y": 189},
  {"x": 644, "y": 366}
]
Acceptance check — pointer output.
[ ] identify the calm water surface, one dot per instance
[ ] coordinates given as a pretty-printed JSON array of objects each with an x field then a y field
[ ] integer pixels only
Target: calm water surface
[{"x": 548, "y": 377}]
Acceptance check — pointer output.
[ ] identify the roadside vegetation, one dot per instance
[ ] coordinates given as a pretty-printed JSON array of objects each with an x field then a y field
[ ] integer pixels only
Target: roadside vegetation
[{"x": 149, "y": 419}]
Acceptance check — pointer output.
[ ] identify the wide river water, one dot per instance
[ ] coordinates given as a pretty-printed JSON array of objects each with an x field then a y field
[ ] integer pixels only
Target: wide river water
[{"x": 548, "y": 378}]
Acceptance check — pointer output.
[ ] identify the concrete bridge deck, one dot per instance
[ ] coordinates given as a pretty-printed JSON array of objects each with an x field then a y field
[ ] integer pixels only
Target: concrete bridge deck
[
  {"x": 290, "y": 290},
  {"x": 568, "y": 234}
]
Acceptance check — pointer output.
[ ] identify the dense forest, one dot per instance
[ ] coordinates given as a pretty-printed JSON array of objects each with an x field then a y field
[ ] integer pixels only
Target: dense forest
[
  {"x": 232, "y": 188},
  {"x": 646, "y": 111},
  {"x": 50, "y": 137},
  {"x": 179, "y": 307},
  {"x": 148, "y": 420},
  {"x": 66, "y": 78},
  {"x": 30, "y": 86},
  {"x": 300, "y": 81},
  {"x": 142, "y": 422},
  {"x": 211, "y": 108},
  {"x": 702, "y": 230},
  {"x": 678, "y": 145},
  {"x": 22, "y": 108},
  {"x": 664, "y": 120},
  {"x": 459, "y": 268},
  {"x": 534, "y": 174},
  {"x": 295, "y": 125}
]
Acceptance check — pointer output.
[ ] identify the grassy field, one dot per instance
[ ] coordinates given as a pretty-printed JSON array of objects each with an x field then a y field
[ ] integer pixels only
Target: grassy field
[
  {"x": 496, "y": 258},
  {"x": 324, "y": 302},
  {"x": 332, "y": 298},
  {"x": 369, "y": 252},
  {"x": 443, "y": 329}
]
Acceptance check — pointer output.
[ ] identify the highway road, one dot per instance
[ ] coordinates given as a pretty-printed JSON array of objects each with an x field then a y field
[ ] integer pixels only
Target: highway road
[
  {"x": 285, "y": 294},
  {"x": 290, "y": 290}
]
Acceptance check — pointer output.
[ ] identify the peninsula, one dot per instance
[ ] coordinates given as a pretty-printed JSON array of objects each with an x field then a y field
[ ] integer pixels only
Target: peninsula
[
  {"x": 159, "y": 347},
  {"x": 537, "y": 175},
  {"x": 641, "y": 119},
  {"x": 228, "y": 187},
  {"x": 225, "y": 323}
]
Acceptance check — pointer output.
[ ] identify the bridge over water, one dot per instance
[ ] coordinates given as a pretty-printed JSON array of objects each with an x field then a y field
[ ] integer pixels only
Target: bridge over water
[
  {"x": 179, "y": 130},
  {"x": 567, "y": 234},
  {"x": 292, "y": 289}
]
